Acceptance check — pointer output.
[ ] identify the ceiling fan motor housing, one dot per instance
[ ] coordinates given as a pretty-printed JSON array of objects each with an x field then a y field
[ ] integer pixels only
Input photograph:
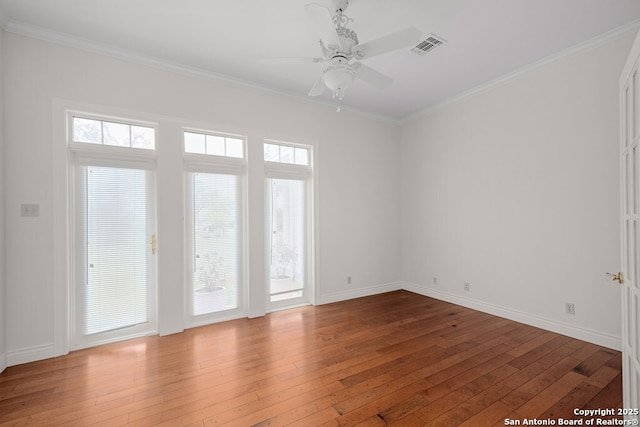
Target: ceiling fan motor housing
[{"x": 339, "y": 5}]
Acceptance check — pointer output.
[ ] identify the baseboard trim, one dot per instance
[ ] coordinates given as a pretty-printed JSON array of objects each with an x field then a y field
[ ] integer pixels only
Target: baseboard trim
[
  {"x": 358, "y": 293},
  {"x": 3, "y": 362},
  {"x": 28, "y": 355},
  {"x": 595, "y": 337}
]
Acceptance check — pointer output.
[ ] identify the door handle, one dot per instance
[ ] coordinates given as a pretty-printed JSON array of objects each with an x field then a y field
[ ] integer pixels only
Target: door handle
[
  {"x": 617, "y": 277},
  {"x": 153, "y": 244}
]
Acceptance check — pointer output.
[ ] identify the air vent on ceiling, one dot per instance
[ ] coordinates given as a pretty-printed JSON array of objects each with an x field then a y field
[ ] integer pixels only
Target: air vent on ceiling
[{"x": 428, "y": 44}]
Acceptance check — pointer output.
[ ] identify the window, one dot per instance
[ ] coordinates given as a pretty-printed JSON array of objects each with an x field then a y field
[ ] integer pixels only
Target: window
[
  {"x": 102, "y": 132},
  {"x": 280, "y": 153},
  {"x": 289, "y": 223},
  {"x": 215, "y": 226},
  {"x": 213, "y": 144}
]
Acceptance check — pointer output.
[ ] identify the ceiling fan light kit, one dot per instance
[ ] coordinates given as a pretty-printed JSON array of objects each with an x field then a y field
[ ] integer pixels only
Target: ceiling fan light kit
[
  {"x": 340, "y": 47},
  {"x": 338, "y": 77}
]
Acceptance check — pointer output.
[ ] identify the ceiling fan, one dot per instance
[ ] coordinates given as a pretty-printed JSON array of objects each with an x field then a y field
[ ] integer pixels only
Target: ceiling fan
[{"x": 341, "y": 49}]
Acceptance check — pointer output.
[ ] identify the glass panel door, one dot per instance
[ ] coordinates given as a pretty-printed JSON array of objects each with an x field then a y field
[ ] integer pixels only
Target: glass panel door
[
  {"x": 115, "y": 253},
  {"x": 287, "y": 239},
  {"x": 215, "y": 247}
]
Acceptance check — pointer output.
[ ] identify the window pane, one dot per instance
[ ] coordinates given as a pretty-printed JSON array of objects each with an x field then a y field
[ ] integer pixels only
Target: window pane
[
  {"x": 272, "y": 152},
  {"x": 302, "y": 156},
  {"x": 194, "y": 143},
  {"x": 216, "y": 249},
  {"x": 116, "y": 134},
  {"x": 286, "y": 154},
  {"x": 215, "y": 145},
  {"x": 234, "y": 147},
  {"x": 85, "y": 130},
  {"x": 143, "y": 137}
]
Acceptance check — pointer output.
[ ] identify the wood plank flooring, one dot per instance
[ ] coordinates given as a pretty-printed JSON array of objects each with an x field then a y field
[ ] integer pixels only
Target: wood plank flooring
[{"x": 396, "y": 359}]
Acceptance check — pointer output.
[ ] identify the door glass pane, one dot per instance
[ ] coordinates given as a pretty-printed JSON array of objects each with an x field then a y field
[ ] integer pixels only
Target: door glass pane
[
  {"x": 633, "y": 180},
  {"x": 635, "y": 279},
  {"x": 287, "y": 222},
  {"x": 625, "y": 117},
  {"x": 634, "y": 105},
  {"x": 628, "y": 300},
  {"x": 635, "y": 330},
  {"x": 216, "y": 248},
  {"x": 116, "y": 294}
]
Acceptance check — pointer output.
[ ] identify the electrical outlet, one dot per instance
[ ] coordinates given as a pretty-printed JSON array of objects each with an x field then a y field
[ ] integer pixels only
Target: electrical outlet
[
  {"x": 435, "y": 280},
  {"x": 569, "y": 308},
  {"x": 348, "y": 280},
  {"x": 467, "y": 286}
]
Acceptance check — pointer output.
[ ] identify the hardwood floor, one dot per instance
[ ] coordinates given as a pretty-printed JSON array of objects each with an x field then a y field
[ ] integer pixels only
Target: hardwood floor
[{"x": 396, "y": 359}]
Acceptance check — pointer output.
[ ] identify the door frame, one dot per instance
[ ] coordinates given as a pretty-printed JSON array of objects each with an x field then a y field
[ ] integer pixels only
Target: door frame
[{"x": 629, "y": 141}]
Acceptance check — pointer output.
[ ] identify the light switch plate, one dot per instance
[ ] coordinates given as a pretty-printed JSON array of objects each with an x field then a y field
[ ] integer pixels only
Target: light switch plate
[{"x": 29, "y": 209}]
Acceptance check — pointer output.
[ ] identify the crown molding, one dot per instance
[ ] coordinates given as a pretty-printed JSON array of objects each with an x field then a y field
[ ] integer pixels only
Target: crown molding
[
  {"x": 90, "y": 46},
  {"x": 592, "y": 43},
  {"x": 4, "y": 19}
]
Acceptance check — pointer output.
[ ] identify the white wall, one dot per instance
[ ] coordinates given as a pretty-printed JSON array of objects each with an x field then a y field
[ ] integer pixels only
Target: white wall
[
  {"x": 357, "y": 165},
  {"x": 3, "y": 347},
  {"x": 515, "y": 190}
]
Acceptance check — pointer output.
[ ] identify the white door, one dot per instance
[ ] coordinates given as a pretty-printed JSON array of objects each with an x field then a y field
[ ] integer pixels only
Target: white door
[
  {"x": 630, "y": 215},
  {"x": 115, "y": 283}
]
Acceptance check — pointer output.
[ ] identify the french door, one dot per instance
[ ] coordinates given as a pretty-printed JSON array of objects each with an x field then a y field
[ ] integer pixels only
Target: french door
[
  {"x": 287, "y": 239},
  {"x": 114, "y": 251},
  {"x": 630, "y": 220},
  {"x": 214, "y": 227}
]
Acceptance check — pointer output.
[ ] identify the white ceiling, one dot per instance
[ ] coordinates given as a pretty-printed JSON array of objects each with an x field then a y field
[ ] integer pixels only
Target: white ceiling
[{"x": 486, "y": 39}]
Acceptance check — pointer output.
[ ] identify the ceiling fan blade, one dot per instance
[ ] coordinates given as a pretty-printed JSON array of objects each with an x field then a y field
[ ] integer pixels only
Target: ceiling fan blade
[
  {"x": 290, "y": 60},
  {"x": 323, "y": 23},
  {"x": 318, "y": 88},
  {"x": 394, "y": 41},
  {"x": 371, "y": 76}
]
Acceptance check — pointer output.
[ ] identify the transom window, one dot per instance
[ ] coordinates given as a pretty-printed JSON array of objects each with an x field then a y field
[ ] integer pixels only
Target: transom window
[
  {"x": 282, "y": 153},
  {"x": 213, "y": 144},
  {"x": 103, "y": 132}
]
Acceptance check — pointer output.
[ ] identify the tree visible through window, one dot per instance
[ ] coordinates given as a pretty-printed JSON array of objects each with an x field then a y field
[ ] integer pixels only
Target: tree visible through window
[{"x": 92, "y": 131}]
